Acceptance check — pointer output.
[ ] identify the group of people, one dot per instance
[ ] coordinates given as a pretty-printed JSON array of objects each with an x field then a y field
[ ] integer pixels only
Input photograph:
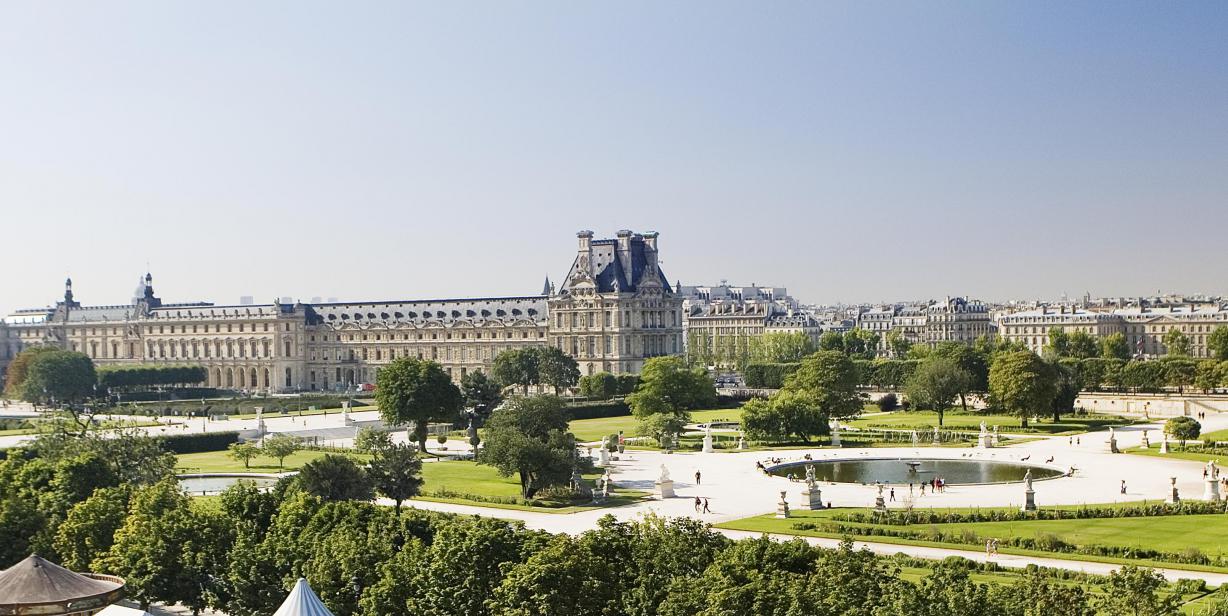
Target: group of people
[
  {"x": 701, "y": 505},
  {"x": 991, "y": 548}
]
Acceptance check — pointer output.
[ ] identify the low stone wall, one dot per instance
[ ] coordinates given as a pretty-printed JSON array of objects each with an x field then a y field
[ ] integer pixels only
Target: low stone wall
[{"x": 1151, "y": 405}]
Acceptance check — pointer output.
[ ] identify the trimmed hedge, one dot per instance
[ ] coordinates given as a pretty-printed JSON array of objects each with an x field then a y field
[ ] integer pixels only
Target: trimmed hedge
[
  {"x": 595, "y": 410},
  {"x": 113, "y": 377},
  {"x": 197, "y": 443},
  {"x": 768, "y": 376}
]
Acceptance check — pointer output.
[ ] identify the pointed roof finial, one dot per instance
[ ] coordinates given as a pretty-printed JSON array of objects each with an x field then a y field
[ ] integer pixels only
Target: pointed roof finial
[{"x": 546, "y": 287}]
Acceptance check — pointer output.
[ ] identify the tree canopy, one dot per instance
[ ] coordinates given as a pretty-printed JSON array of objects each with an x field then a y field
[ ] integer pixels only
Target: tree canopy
[
  {"x": 936, "y": 384},
  {"x": 417, "y": 391},
  {"x": 1022, "y": 384},
  {"x": 527, "y": 436}
]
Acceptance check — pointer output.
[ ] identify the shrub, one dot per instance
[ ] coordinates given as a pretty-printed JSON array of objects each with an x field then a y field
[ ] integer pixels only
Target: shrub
[
  {"x": 768, "y": 376},
  {"x": 196, "y": 443},
  {"x": 888, "y": 403}
]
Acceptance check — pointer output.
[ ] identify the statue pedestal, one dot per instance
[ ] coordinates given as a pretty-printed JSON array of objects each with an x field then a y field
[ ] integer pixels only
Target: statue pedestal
[
  {"x": 835, "y": 439},
  {"x": 1029, "y": 501},
  {"x": 708, "y": 443},
  {"x": 664, "y": 489},
  {"x": 1112, "y": 444},
  {"x": 1174, "y": 498},
  {"x": 1164, "y": 446},
  {"x": 812, "y": 498},
  {"x": 782, "y": 508},
  {"x": 1211, "y": 492},
  {"x": 984, "y": 441},
  {"x": 603, "y": 457},
  {"x": 879, "y": 503}
]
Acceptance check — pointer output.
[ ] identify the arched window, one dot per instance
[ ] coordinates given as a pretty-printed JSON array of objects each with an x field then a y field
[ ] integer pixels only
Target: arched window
[{"x": 289, "y": 378}]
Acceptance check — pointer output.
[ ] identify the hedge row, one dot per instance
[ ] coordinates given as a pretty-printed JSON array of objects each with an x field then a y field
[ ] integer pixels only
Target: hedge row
[
  {"x": 591, "y": 410},
  {"x": 197, "y": 443},
  {"x": 768, "y": 376},
  {"x": 998, "y": 515},
  {"x": 119, "y": 377}
]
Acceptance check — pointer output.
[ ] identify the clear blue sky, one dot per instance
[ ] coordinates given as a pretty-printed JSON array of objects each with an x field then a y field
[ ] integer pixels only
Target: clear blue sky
[{"x": 857, "y": 151}]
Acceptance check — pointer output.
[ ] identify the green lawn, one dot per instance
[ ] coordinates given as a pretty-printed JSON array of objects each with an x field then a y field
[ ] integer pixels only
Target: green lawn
[
  {"x": 1154, "y": 452},
  {"x": 1178, "y": 533},
  {"x": 221, "y": 462},
  {"x": 455, "y": 479},
  {"x": 588, "y": 430},
  {"x": 972, "y": 421},
  {"x": 1218, "y": 435}
]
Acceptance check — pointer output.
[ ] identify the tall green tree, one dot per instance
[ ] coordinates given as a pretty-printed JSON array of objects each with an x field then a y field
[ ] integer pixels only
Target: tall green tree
[
  {"x": 418, "y": 391},
  {"x": 898, "y": 344},
  {"x": 1217, "y": 343},
  {"x": 243, "y": 452},
  {"x": 517, "y": 367},
  {"x": 829, "y": 379},
  {"x": 464, "y": 565},
  {"x": 480, "y": 392},
  {"x": 1082, "y": 345},
  {"x": 781, "y": 347},
  {"x": 1114, "y": 346},
  {"x": 15, "y": 374},
  {"x": 280, "y": 446},
  {"x": 556, "y": 368},
  {"x": 668, "y": 387},
  {"x": 396, "y": 472},
  {"x": 1022, "y": 384},
  {"x": 1059, "y": 343},
  {"x": 165, "y": 549},
  {"x": 1183, "y": 428},
  {"x": 788, "y": 414},
  {"x": 334, "y": 477},
  {"x": 936, "y": 384},
  {"x": 831, "y": 341},
  {"x": 1131, "y": 591},
  {"x": 89, "y": 530},
  {"x": 1176, "y": 343},
  {"x": 528, "y": 437}
]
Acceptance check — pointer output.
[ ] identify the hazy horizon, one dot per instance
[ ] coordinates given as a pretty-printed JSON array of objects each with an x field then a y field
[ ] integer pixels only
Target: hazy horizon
[{"x": 852, "y": 153}]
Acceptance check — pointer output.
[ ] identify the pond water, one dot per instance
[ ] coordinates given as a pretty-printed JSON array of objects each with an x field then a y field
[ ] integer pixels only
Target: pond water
[
  {"x": 213, "y": 484},
  {"x": 915, "y": 470}
]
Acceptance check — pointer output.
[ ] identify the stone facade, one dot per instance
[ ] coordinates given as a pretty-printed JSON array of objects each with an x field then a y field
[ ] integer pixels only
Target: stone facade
[
  {"x": 1143, "y": 327},
  {"x": 954, "y": 319},
  {"x": 615, "y": 310}
]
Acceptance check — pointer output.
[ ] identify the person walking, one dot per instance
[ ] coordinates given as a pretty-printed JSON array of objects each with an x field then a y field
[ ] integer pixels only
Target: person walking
[
  {"x": 893, "y": 495},
  {"x": 1123, "y": 486},
  {"x": 698, "y": 504},
  {"x": 697, "y": 477},
  {"x": 706, "y": 509},
  {"x": 989, "y": 548}
]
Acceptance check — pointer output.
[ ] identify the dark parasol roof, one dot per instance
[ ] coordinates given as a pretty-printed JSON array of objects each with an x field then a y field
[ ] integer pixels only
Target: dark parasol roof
[{"x": 36, "y": 586}]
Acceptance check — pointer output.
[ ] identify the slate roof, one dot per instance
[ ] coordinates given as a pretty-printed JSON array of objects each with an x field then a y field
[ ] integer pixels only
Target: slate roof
[{"x": 36, "y": 581}]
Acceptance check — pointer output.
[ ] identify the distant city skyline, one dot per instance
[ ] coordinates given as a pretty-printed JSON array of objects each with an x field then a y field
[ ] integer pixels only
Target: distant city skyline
[{"x": 849, "y": 152}]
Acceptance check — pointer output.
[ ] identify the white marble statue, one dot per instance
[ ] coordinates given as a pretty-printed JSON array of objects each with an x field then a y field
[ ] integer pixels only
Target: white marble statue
[{"x": 664, "y": 475}]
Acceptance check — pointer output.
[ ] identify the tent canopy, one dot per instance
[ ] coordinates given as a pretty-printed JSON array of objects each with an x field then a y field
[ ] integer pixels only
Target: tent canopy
[
  {"x": 35, "y": 581},
  {"x": 302, "y": 602}
]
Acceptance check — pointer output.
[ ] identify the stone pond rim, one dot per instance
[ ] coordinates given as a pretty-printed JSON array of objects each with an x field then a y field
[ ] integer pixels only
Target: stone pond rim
[{"x": 899, "y": 470}]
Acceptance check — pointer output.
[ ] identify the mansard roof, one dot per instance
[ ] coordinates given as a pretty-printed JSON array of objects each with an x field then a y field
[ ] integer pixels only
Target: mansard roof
[
  {"x": 425, "y": 313},
  {"x": 614, "y": 269}
]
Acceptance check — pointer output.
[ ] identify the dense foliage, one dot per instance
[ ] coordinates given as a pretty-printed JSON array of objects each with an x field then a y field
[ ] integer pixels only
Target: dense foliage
[{"x": 127, "y": 377}]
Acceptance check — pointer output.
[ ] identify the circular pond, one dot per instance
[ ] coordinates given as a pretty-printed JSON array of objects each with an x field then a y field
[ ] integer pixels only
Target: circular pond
[
  {"x": 915, "y": 470},
  {"x": 213, "y": 484}
]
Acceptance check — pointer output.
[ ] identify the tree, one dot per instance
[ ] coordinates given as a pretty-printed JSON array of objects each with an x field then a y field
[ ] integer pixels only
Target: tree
[
  {"x": 667, "y": 386},
  {"x": 860, "y": 343},
  {"x": 528, "y": 437},
  {"x": 831, "y": 341},
  {"x": 163, "y": 550},
  {"x": 396, "y": 473},
  {"x": 556, "y": 368},
  {"x": 898, "y": 344},
  {"x": 781, "y": 347},
  {"x": 1176, "y": 342},
  {"x": 516, "y": 367},
  {"x": 63, "y": 376},
  {"x": 1022, "y": 384},
  {"x": 1207, "y": 375},
  {"x": 888, "y": 403},
  {"x": 567, "y": 577},
  {"x": 418, "y": 391},
  {"x": 15, "y": 375},
  {"x": 464, "y": 565},
  {"x": 1082, "y": 345},
  {"x": 480, "y": 392},
  {"x": 89, "y": 529},
  {"x": 1114, "y": 346},
  {"x": 1183, "y": 428},
  {"x": 787, "y": 414},
  {"x": 1067, "y": 386},
  {"x": 1179, "y": 372},
  {"x": 599, "y": 386},
  {"x": 21, "y": 523},
  {"x": 243, "y": 452},
  {"x": 1059, "y": 343},
  {"x": 1036, "y": 594},
  {"x": 829, "y": 379},
  {"x": 280, "y": 446},
  {"x": 1137, "y": 592},
  {"x": 335, "y": 478},
  {"x": 1217, "y": 343},
  {"x": 936, "y": 384},
  {"x": 1148, "y": 376},
  {"x": 372, "y": 440}
]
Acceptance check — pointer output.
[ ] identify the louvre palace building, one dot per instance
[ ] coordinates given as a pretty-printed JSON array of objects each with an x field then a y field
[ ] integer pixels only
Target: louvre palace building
[{"x": 613, "y": 310}]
